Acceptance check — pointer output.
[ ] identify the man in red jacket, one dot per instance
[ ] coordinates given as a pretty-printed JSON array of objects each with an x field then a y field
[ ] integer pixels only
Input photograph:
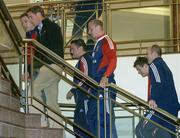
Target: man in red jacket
[{"x": 104, "y": 64}]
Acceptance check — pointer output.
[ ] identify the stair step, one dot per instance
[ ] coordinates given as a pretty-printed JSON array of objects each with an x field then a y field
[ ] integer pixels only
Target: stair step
[
  {"x": 33, "y": 120},
  {"x": 45, "y": 133},
  {"x": 9, "y": 101},
  {"x": 6, "y": 98},
  {"x": 14, "y": 123},
  {"x": 8, "y": 130},
  {"x": 12, "y": 117},
  {"x": 5, "y": 86},
  {"x": 20, "y": 119}
]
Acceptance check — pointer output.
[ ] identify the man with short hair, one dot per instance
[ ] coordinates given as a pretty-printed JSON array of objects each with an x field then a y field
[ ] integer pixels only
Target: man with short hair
[
  {"x": 47, "y": 81},
  {"x": 49, "y": 32},
  {"x": 84, "y": 64},
  {"x": 104, "y": 63},
  {"x": 162, "y": 93}
]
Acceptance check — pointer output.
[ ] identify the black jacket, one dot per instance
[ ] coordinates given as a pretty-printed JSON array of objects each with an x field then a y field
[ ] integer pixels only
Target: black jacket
[{"x": 51, "y": 37}]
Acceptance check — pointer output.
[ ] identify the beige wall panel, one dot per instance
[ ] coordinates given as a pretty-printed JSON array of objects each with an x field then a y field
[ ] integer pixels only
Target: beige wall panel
[{"x": 16, "y": 1}]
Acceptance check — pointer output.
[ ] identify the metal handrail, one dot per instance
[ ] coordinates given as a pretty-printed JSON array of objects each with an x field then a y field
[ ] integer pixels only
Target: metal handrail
[
  {"x": 65, "y": 119},
  {"x": 127, "y": 1},
  {"x": 142, "y": 102},
  {"x": 146, "y": 41},
  {"x": 121, "y": 91},
  {"x": 45, "y": 3},
  {"x": 137, "y": 114},
  {"x": 67, "y": 80},
  {"x": 68, "y": 105},
  {"x": 68, "y": 66},
  {"x": 62, "y": 62}
]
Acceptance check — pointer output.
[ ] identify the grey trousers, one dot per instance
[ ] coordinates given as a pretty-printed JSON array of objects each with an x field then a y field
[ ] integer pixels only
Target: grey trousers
[{"x": 48, "y": 81}]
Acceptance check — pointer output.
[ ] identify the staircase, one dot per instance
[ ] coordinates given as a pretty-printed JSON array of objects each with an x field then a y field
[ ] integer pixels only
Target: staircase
[{"x": 14, "y": 123}]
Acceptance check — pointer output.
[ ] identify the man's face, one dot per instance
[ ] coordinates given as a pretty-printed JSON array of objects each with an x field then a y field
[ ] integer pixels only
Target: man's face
[
  {"x": 34, "y": 18},
  {"x": 74, "y": 50},
  {"x": 26, "y": 24},
  {"x": 92, "y": 30},
  {"x": 142, "y": 70}
]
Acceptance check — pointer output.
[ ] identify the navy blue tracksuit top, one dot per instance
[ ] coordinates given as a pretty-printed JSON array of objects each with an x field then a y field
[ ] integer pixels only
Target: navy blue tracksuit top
[{"x": 162, "y": 89}]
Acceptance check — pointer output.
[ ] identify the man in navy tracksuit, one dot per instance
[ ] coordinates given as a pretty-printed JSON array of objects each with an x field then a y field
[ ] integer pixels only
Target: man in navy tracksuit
[
  {"x": 84, "y": 64},
  {"x": 104, "y": 64},
  {"x": 162, "y": 94}
]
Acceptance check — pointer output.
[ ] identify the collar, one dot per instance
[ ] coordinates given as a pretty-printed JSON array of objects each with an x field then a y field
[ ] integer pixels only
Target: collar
[
  {"x": 40, "y": 26},
  {"x": 158, "y": 58},
  {"x": 101, "y": 37}
]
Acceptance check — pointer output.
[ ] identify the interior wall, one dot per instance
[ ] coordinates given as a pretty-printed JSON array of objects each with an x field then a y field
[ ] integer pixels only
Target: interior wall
[
  {"x": 16, "y": 2},
  {"x": 140, "y": 23}
]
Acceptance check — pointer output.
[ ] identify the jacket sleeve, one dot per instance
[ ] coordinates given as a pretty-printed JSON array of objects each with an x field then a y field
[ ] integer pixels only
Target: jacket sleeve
[
  {"x": 83, "y": 68},
  {"x": 57, "y": 41},
  {"x": 110, "y": 53},
  {"x": 156, "y": 83}
]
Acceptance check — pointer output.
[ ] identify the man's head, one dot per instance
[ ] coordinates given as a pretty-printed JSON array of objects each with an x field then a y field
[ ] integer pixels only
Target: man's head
[
  {"x": 141, "y": 65},
  {"x": 153, "y": 52},
  {"x": 26, "y": 23},
  {"x": 36, "y": 14},
  {"x": 77, "y": 48},
  {"x": 95, "y": 28}
]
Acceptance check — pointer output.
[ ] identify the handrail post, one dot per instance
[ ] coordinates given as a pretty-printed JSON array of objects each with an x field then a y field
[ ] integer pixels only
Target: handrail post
[
  {"x": 110, "y": 112},
  {"x": 98, "y": 116},
  {"x": 0, "y": 69},
  {"x": 63, "y": 24},
  {"x": 104, "y": 100},
  {"x": 133, "y": 126},
  {"x": 25, "y": 77},
  {"x": 178, "y": 132}
]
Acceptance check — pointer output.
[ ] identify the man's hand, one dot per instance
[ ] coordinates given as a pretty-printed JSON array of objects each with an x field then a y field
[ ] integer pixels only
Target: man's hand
[
  {"x": 103, "y": 82},
  {"x": 69, "y": 95},
  {"x": 152, "y": 104}
]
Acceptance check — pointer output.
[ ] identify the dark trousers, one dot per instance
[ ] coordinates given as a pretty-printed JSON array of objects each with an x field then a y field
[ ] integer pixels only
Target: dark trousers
[
  {"x": 81, "y": 120},
  {"x": 145, "y": 129},
  {"x": 92, "y": 115}
]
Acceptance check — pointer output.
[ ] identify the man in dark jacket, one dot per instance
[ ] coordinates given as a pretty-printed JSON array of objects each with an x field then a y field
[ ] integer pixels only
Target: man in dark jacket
[
  {"x": 49, "y": 32},
  {"x": 51, "y": 37},
  {"x": 84, "y": 64},
  {"x": 162, "y": 93}
]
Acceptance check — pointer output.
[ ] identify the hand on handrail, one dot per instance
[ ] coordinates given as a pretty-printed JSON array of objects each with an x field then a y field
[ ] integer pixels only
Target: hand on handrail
[{"x": 152, "y": 104}]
